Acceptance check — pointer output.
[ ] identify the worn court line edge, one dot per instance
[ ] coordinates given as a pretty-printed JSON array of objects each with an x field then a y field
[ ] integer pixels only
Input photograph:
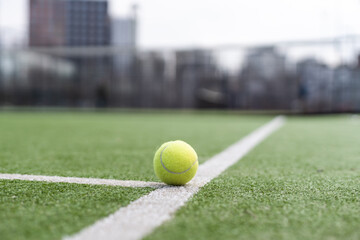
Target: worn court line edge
[
  {"x": 91, "y": 181},
  {"x": 143, "y": 215}
]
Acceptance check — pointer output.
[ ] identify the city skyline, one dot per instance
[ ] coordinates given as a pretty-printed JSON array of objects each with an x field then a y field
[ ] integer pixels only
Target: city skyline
[{"x": 210, "y": 23}]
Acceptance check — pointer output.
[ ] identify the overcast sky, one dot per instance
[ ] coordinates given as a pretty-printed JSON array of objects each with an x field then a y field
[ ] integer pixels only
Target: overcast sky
[{"x": 182, "y": 23}]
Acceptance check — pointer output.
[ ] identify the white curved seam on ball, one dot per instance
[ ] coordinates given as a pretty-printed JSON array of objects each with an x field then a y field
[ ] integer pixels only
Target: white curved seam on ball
[{"x": 169, "y": 171}]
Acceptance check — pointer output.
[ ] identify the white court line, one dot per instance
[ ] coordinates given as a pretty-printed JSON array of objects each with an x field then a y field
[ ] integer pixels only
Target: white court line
[
  {"x": 91, "y": 181},
  {"x": 143, "y": 215}
]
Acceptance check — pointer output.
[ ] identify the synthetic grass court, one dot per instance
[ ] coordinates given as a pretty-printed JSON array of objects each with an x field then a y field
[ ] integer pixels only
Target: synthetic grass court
[
  {"x": 302, "y": 182},
  {"x": 110, "y": 145}
]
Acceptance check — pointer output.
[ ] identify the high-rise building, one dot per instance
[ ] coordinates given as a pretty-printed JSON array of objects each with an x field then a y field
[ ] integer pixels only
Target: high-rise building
[
  {"x": 87, "y": 23},
  {"x": 68, "y": 23},
  {"x": 125, "y": 63},
  {"x": 46, "y": 23},
  {"x": 124, "y": 30},
  {"x": 123, "y": 36}
]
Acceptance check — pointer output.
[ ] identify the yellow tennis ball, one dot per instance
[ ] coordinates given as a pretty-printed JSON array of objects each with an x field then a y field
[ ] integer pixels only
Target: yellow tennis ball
[{"x": 175, "y": 163}]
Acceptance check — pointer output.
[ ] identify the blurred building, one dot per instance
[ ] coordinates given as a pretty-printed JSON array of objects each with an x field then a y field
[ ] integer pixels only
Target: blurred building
[
  {"x": 124, "y": 38},
  {"x": 326, "y": 89},
  {"x": 124, "y": 30},
  {"x": 315, "y": 81},
  {"x": 265, "y": 81},
  {"x": 35, "y": 79},
  {"x": 346, "y": 89},
  {"x": 153, "y": 88},
  {"x": 68, "y": 23},
  {"x": 197, "y": 79},
  {"x": 75, "y": 23},
  {"x": 47, "y": 23}
]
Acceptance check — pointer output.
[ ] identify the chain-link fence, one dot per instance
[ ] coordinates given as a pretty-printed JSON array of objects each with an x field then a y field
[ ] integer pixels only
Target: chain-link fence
[{"x": 316, "y": 77}]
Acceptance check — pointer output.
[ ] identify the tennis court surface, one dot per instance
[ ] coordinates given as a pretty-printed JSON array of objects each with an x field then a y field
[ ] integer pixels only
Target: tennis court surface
[{"x": 292, "y": 177}]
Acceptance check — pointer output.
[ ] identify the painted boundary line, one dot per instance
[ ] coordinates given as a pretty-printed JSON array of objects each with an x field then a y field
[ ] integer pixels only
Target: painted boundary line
[
  {"x": 143, "y": 215},
  {"x": 91, "y": 181}
]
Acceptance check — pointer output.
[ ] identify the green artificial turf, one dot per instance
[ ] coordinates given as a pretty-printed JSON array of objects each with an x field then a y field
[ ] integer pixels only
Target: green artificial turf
[
  {"x": 116, "y": 145},
  {"x": 35, "y": 210},
  {"x": 303, "y": 182},
  {"x": 84, "y": 144}
]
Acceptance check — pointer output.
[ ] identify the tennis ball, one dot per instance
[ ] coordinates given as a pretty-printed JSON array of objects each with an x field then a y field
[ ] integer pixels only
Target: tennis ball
[{"x": 175, "y": 163}]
